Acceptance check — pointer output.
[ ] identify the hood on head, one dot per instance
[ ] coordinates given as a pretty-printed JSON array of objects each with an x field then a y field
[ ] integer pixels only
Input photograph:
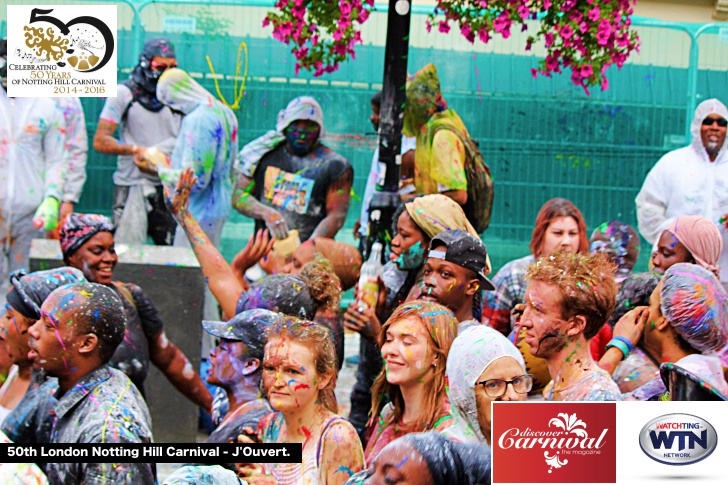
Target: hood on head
[
  {"x": 707, "y": 107},
  {"x": 424, "y": 99},
  {"x": 180, "y": 92}
]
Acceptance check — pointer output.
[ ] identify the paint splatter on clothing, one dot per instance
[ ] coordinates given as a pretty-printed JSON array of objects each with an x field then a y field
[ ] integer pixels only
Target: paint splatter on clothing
[
  {"x": 246, "y": 416},
  {"x": 510, "y": 290},
  {"x": 20, "y": 473},
  {"x": 103, "y": 407},
  {"x": 297, "y": 186},
  {"x": 387, "y": 432},
  {"x": 635, "y": 370},
  {"x": 32, "y": 419},
  {"x": 76, "y": 145},
  {"x": 595, "y": 386},
  {"x": 142, "y": 323}
]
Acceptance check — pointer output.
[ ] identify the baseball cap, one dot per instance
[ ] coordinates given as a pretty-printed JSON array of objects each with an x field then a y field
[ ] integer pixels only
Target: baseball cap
[
  {"x": 464, "y": 250},
  {"x": 247, "y": 327}
]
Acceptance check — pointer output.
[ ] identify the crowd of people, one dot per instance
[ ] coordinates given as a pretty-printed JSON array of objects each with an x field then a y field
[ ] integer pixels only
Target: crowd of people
[{"x": 440, "y": 342}]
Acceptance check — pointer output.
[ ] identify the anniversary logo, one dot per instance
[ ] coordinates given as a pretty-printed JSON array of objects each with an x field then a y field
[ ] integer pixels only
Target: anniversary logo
[
  {"x": 54, "y": 52},
  {"x": 561, "y": 442}
]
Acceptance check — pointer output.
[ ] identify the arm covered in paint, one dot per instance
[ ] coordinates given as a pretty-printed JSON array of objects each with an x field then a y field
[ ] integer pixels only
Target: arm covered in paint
[
  {"x": 341, "y": 454},
  {"x": 76, "y": 142},
  {"x": 217, "y": 272},
  {"x": 651, "y": 204},
  {"x": 245, "y": 203},
  {"x": 179, "y": 371},
  {"x": 338, "y": 198}
]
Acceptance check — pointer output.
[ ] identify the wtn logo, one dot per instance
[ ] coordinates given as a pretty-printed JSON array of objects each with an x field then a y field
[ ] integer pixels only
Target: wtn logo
[
  {"x": 665, "y": 439},
  {"x": 678, "y": 439}
]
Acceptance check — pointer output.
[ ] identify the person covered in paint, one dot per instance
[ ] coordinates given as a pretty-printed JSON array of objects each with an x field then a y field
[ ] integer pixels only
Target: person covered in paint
[
  {"x": 80, "y": 327},
  {"x": 30, "y": 421},
  {"x": 483, "y": 366},
  {"x": 427, "y": 459},
  {"x": 686, "y": 323},
  {"x": 690, "y": 180},
  {"x": 415, "y": 343},
  {"x": 440, "y": 153},
  {"x": 33, "y": 169},
  {"x": 203, "y": 475},
  {"x": 559, "y": 227},
  {"x": 407, "y": 151},
  {"x": 414, "y": 224},
  {"x": 689, "y": 239},
  {"x": 621, "y": 243},
  {"x": 456, "y": 269},
  {"x": 282, "y": 293},
  {"x": 76, "y": 145},
  {"x": 208, "y": 143},
  {"x": 280, "y": 166},
  {"x": 236, "y": 366},
  {"x": 568, "y": 299},
  {"x": 299, "y": 376},
  {"x": 144, "y": 122},
  {"x": 88, "y": 244}
]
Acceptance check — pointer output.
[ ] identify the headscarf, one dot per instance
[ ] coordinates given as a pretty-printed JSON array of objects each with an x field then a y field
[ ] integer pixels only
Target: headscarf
[
  {"x": 620, "y": 242},
  {"x": 471, "y": 352},
  {"x": 287, "y": 294},
  {"x": 707, "y": 107},
  {"x": 203, "y": 475},
  {"x": 701, "y": 238},
  {"x": 696, "y": 305},
  {"x": 79, "y": 228},
  {"x": 144, "y": 78},
  {"x": 29, "y": 291},
  {"x": 301, "y": 108},
  {"x": 437, "y": 213},
  {"x": 424, "y": 99},
  {"x": 180, "y": 92},
  {"x": 449, "y": 461},
  {"x": 345, "y": 259}
]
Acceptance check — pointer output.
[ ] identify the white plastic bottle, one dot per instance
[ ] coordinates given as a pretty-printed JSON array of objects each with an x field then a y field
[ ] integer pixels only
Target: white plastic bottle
[{"x": 368, "y": 293}]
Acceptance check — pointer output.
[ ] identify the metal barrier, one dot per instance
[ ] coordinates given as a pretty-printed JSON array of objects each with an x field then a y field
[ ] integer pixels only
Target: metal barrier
[{"x": 542, "y": 137}]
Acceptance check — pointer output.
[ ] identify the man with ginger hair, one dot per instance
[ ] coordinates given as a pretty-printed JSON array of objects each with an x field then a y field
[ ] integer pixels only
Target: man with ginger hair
[{"x": 568, "y": 300}]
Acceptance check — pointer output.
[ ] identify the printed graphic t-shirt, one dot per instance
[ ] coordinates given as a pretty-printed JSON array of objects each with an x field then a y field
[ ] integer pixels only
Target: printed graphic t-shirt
[{"x": 297, "y": 186}]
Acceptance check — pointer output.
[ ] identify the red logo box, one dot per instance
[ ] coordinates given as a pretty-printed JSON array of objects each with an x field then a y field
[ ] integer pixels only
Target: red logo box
[{"x": 554, "y": 442}]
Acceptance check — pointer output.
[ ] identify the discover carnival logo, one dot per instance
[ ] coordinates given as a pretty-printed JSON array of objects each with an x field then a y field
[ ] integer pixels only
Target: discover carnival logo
[
  {"x": 678, "y": 439},
  {"x": 577, "y": 445}
]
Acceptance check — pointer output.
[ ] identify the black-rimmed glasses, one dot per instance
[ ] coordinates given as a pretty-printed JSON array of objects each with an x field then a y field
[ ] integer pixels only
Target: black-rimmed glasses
[
  {"x": 722, "y": 122},
  {"x": 497, "y": 387}
]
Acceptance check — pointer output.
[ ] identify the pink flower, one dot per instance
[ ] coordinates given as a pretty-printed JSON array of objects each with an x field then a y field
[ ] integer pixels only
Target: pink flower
[
  {"x": 594, "y": 14},
  {"x": 363, "y": 16},
  {"x": 266, "y": 21},
  {"x": 534, "y": 73},
  {"x": 546, "y": 4},
  {"x": 568, "y": 5},
  {"x": 467, "y": 33},
  {"x": 549, "y": 39},
  {"x": 338, "y": 34},
  {"x": 484, "y": 36},
  {"x": 444, "y": 27},
  {"x": 282, "y": 32},
  {"x": 345, "y": 9},
  {"x": 551, "y": 63},
  {"x": 586, "y": 71},
  {"x": 583, "y": 27},
  {"x": 529, "y": 43},
  {"x": 605, "y": 83},
  {"x": 502, "y": 24},
  {"x": 566, "y": 31},
  {"x": 576, "y": 16},
  {"x": 428, "y": 26},
  {"x": 301, "y": 53},
  {"x": 524, "y": 11}
]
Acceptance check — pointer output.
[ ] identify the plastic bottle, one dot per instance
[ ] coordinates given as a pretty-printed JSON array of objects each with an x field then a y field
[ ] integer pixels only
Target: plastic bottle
[{"x": 368, "y": 293}]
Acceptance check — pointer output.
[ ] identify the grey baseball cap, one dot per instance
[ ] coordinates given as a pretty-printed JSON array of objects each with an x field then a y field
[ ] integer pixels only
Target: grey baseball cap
[{"x": 247, "y": 327}]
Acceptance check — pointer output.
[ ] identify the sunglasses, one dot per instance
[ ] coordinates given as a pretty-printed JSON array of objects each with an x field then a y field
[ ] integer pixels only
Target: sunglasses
[
  {"x": 722, "y": 122},
  {"x": 160, "y": 66}
]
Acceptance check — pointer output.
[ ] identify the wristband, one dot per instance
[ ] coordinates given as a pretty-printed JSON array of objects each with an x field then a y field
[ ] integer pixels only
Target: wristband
[
  {"x": 625, "y": 340},
  {"x": 618, "y": 344}
]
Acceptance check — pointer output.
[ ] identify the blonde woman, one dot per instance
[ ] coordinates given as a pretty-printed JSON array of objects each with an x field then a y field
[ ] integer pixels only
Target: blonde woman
[{"x": 415, "y": 342}]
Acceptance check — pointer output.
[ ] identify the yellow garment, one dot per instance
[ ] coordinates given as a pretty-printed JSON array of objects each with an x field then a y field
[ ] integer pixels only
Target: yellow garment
[{"x": 440, "y": 154}]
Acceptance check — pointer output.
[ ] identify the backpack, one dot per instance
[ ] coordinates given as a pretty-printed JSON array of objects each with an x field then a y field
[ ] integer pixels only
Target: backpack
[{"x": 479, "y": 206}]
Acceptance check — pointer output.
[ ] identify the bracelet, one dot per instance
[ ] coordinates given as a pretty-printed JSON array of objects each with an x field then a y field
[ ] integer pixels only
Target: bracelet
[
  {"x": 625, "y": 340},
  {"x": 618, "y": 344}
]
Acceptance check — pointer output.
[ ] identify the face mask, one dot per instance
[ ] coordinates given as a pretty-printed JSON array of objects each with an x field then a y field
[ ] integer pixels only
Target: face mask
[{"x": 301, "y": 140}]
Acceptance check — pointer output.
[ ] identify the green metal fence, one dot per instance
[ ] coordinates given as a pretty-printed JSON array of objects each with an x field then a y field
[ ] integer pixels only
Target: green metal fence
[{"x": 542, "y": 138}]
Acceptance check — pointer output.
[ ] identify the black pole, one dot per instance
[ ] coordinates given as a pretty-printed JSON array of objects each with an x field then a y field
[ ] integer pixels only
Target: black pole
[{"x": 386, "y": 199}]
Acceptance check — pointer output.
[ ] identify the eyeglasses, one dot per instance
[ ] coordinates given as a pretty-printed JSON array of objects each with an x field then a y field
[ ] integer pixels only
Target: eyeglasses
[
  {"x": 161, "y": 66},
  {"x": 722, "y": 122},
  {"x": 497, "y": 387}
]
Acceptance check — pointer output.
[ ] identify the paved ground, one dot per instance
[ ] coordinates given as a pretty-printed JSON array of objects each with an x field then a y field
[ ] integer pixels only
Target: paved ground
[{"x": 347, "y": 377}]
